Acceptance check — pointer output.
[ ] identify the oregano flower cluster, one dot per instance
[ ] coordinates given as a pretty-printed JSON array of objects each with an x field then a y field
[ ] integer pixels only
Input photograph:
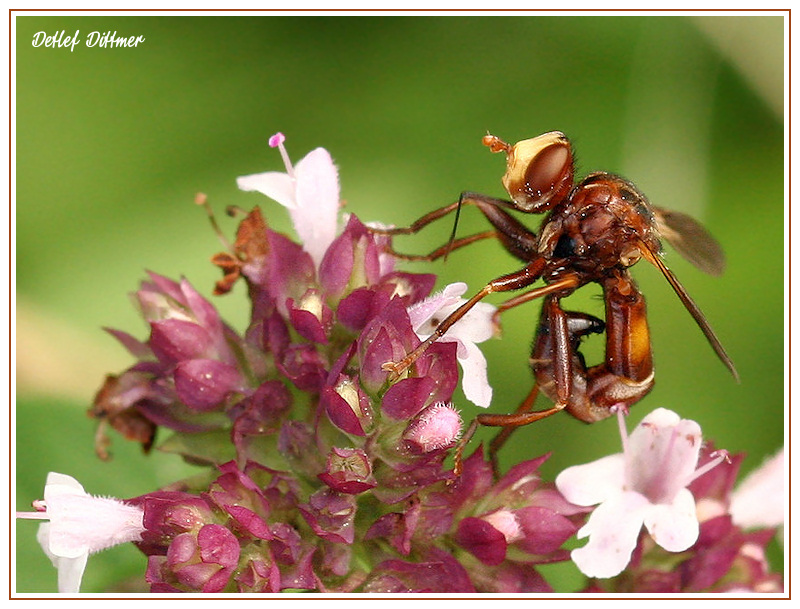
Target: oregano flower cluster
[{"x": 319, "y": 471}]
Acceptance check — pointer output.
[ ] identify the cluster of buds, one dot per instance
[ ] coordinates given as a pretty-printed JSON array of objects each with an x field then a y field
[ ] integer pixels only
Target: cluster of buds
[
  {"x": 322, "y": 463},
  {"x": 323, "y": 471}
]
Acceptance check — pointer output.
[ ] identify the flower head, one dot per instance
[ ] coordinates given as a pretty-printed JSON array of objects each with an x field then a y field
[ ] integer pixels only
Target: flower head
[
  {"x": 79, "y": 525},
  {"x": 309, "y": 190},
  {"x": 644, "y": 485},
  {"x": 475, "y": 327}
]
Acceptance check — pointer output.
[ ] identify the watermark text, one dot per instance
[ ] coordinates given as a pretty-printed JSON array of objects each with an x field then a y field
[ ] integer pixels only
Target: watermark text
[{"x": 99, "y": 40}]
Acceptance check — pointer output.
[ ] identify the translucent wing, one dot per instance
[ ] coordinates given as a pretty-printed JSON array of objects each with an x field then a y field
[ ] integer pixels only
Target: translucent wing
[
  {"x": 692, "y": 307},
  {"x": 690, "y": 240}
]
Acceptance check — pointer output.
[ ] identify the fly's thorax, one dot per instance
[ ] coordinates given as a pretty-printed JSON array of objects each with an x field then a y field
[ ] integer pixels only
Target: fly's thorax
[{"x": 604, "y": 224}]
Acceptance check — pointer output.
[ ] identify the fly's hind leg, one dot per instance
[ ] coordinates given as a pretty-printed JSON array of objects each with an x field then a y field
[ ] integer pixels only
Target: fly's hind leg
[
  {"x": 557, "y": 358},
  {"x": 626, "y": 374}
]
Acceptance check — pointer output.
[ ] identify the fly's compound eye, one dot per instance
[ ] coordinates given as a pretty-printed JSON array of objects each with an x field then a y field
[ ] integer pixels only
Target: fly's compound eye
[{"x": 539, "y": 171}]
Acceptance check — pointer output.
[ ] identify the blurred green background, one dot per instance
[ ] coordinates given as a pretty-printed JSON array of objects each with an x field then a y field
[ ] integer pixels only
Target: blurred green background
[{"x": 113, "y": 144}]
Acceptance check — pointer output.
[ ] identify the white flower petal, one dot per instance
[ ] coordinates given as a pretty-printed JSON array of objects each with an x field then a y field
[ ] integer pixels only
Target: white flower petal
[
  {"x": 55, "y": 481},
  {"x": 454, "y": 291},
  {"x": 442, "y": 302},
  {"x": 758, "y": 500},
  {"x": 474, "y": 379},
  {"x": 43, "y": 537},
  {"x": 80, "y": 523},
  {"x": 61, "y": 493},
  {"x": 593, "y": 483},
  {"x": 663, "y": 452},
  {"x": 70, "y": 570},
  {"x": 662, "y": 417},
  {"x": 474, "y": 327},
  {"x": 613, "y": 529},
  {"x": 277, "y": 185},
  {"x": 317, "y": 196},
  {"x": 70, "y": 573},
  {"x": 477, "y": 325},
  {"x": 674, "y": 526}
]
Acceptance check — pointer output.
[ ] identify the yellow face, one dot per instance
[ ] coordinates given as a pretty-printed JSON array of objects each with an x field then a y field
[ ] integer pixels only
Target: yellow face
[{"x": 539, "y": 170}]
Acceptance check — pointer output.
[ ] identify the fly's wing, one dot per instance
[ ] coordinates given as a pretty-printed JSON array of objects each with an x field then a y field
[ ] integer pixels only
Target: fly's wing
[
  {"x": 690, "y": 240},
  {"x": 691, "y": 306}
]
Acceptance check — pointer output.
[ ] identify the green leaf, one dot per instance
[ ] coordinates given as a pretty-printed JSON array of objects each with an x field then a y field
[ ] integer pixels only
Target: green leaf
[{"x": 204, "y": 448}]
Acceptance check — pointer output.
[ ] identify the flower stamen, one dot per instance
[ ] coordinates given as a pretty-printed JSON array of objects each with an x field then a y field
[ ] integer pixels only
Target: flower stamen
[
  {"x": 33, "y": 516},
  {"x": 276, "y": 141},
  {"x": 718, "y": 456},
  {"x": 40, "y": 514}
]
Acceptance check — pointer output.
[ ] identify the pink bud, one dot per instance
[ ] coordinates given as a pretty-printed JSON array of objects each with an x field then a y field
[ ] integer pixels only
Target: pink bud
[
  {"x": 504, "y": 521},
  {"x": 176, "y": 340},
  {"x": 437, "y": 426},
  {"x": 203, "y": 384},
  {"x": 347, "y": 406},
  {"x": 482, "y": 540}
]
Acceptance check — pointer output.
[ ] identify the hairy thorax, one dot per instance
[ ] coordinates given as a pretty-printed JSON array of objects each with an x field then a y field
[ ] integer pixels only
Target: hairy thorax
[{"x": 598, "y": 230}]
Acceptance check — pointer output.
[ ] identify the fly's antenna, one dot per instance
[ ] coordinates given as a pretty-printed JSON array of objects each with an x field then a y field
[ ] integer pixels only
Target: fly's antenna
[{"x": 455, "y": 227}]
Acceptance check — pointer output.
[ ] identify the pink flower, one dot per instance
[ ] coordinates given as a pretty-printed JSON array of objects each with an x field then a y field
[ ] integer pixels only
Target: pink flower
[
  {"x": 758, "y": 499},
  {"x": 310, "y": 190},
  {"x": 643, "y": 485},
  {"x": 475, "y": 327},
  {"x": 79, "y": 525}
]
